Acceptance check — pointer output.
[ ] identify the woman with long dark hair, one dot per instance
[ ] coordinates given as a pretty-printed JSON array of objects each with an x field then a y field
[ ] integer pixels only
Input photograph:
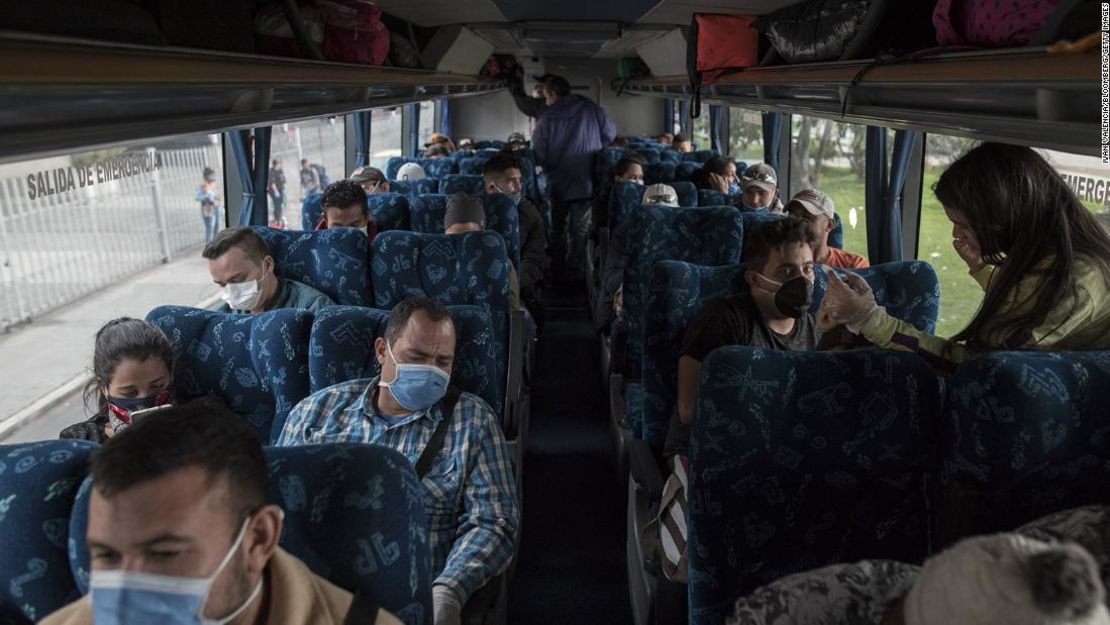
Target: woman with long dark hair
[
  {"x": 1040, "y": 255},
  {"x": 132, "y": 371}
]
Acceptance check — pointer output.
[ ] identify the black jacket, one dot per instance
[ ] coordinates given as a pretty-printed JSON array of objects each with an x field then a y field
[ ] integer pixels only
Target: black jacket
[{"x": 533, "y": 247}]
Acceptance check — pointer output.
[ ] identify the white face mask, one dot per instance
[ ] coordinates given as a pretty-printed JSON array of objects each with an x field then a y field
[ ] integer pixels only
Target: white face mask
[
  {"x": 243, "y": 295},
  {"x": 131, "y": 597}
]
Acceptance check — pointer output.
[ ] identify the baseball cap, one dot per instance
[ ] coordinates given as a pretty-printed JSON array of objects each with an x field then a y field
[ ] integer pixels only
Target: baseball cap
[
  {"x": 814, "y": 201},
  {"x": 761, "y": 175},
  {"x": 663, "y": 194},
  {"x": 466, "y": 143},
  {"x": 411, "y": 171},
  {"x": 517, "y": 136},
  {"x": 367, "y": 174},
  {"x": 542, "y": 77},
  {"x": 437, "y": 137}
]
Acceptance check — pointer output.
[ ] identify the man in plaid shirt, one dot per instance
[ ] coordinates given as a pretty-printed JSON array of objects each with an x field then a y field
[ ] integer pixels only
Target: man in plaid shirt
[{"x": 470, "y": 496}]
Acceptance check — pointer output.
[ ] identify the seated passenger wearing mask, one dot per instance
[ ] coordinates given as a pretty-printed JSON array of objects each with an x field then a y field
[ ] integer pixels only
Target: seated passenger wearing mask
[
  {"x": 774, "y": 315},
  {"x": 1001, "y": 579},
  {"x": 818, "y": 209},
  {"x": 371, "y": 179},
  {"x": 718, "y": 174},
  {"x": 682, "y": 144},
  {"x": 410, "y": 172},
  {"x": 760, "y": 190},
  {"x": 345, "y": 206},
  {"x": 439, "y": 140},
  {"x": 240, "y": 263},
  {"x": 627, "y": 169},
  {"x": 502, "y": 174},
  {"x": 466, "y": 214},
  {"x": 132, "y": 371},
  {"x": 616, "y": 258},
  {"x": 516, "y": 141},
  {"x": 469, "y": 490},
  {"x": 466, "y": 144},
  {"x": 666, "y": 139},
  {"x": 180, "y": 532}
]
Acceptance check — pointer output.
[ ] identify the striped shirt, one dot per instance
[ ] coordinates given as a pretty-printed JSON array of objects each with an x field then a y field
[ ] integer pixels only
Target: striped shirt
[{"x": 470, "y": 494}]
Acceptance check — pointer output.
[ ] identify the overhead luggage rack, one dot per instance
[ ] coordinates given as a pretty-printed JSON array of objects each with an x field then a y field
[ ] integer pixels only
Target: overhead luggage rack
[
  {"x": 58, "y": 95},
  {"x": 1026, "y": 95}
]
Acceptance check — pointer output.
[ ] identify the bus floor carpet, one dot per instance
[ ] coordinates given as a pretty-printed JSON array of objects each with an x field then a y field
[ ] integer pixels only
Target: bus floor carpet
[{"x": 571, "y": 560}]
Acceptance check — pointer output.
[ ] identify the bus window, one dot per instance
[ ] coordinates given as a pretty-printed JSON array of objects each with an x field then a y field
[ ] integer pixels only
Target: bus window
[
  {"x": 72, "y": 225},
  {"x": 311, "y": 154},
  {"x": 699, "y": 128},
  {"x": 427, "y": 121},
  {"x": 385, "y": 135},
  {"x": 960, "y": 295},
  {"x": 676, "y": 125},
  {"x": 1087, "y": 177},
  {"x": 829, "y": 156},
  {"x": 745, "y": 135}
]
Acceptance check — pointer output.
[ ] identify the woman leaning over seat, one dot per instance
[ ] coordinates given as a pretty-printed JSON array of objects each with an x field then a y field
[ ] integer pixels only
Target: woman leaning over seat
[{"x": 1041, "y": 257}]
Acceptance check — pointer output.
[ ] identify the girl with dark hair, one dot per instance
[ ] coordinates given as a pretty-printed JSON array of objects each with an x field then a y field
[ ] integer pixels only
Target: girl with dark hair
[
  {"x": 629, "y": 169},
  {"x": 1040, "y": 255},
  {"x": 718, "y": 174},
  {"x": 132, "y": 371}
]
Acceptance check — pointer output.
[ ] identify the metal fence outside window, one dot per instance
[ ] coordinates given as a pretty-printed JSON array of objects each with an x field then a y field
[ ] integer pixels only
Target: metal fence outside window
[{"x": 58, "y": 248}]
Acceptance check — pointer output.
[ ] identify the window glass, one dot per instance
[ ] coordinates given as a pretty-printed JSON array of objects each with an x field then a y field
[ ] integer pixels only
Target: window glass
[
  {"x": 829, "y": 156},
  {"x": 699, "y": 128},
  {"x": 745, "y": 135},
  {"x": 312, "y": 156},
  {"x": 960, "y": 295},
  {"x": 1087, "y": 177},
  {"x": 676, "y": 126},
  {"x": 427, "y": 121},
  {"x": 385, "y": 135},
  {"x": 73, "y": 225}
]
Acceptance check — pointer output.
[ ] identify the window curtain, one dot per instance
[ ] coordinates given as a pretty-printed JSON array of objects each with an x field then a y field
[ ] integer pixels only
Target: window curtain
[
  {"x": 362, "y": 138},
  {"x": 772, "y": 138},
  {"x": 684, "y": 118},
  {"x": 668, "y": 116},
  {"x": 414, "y": 130},
  {"x": 445, "y": 116},
  {"x": 716, "y": 129},
  {"x": 253, "y": 173}
]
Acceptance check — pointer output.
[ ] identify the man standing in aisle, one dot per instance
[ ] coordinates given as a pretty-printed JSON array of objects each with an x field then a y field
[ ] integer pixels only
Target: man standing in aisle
[{"x": 570, "y": 130}]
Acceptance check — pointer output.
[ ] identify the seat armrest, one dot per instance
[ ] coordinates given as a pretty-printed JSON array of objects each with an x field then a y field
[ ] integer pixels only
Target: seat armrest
[
  {"x": 645, "y": 469},
  {"x": 484, "y": 606},
  {"x": 514, "y": 382}
]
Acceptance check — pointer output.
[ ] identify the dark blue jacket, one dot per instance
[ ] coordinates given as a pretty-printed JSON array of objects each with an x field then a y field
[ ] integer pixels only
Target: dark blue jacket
[{"x": 567, "y": 135}]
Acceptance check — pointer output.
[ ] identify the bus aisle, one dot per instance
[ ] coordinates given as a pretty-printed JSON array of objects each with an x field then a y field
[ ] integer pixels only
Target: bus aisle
[{"x": 571, "y": 558}]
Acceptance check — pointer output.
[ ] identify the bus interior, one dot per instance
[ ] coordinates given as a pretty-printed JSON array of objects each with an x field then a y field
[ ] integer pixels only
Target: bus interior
[{"x": 112, "y": 113}]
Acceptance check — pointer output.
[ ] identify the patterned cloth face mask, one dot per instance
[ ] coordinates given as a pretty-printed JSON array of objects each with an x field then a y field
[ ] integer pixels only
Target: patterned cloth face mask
[{"x": 122, "y": 409}]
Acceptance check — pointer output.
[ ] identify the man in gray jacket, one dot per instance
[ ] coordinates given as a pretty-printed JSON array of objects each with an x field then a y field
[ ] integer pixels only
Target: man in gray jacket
[{"x": 570, "y": 130}]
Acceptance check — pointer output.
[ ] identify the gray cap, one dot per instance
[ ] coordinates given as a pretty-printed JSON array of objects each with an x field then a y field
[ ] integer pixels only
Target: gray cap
[
  {"x": 814, "y": 202},
  {"x": 411, "y": 171},
  {"x": 367, "y": 174},
  {"x": 762, "y": 176},
  {"x": 462, "y": 208}
]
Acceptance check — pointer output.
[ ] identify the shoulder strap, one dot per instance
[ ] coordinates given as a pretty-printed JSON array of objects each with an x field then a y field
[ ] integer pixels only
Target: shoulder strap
[{"x": 431, "y": 450}]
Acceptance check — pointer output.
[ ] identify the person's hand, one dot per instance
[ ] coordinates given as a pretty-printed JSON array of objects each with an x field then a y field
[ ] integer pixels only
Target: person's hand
[
  {"x": 719, "y": 183},
  {"x": 848, "y": 301},
  {"x": 969, "y": 252},
  {"x": 446, "y": 606}
]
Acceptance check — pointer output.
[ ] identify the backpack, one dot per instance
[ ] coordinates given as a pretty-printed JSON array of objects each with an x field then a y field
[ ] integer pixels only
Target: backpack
[
  {"x": 1015, "y": 23},
  {"x": 323, "y": 173},
  {"x": 345, "y": 31},
  {"x": 719, "y": 44}
]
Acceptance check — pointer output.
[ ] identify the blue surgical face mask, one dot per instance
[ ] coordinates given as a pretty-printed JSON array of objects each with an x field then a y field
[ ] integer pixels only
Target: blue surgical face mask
[
  {"x": 125, "y": 597},
  {"x": 516, "y": 197},
  {"x": 416, "y": 387},
  {"x": 733, "y": 188}
]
